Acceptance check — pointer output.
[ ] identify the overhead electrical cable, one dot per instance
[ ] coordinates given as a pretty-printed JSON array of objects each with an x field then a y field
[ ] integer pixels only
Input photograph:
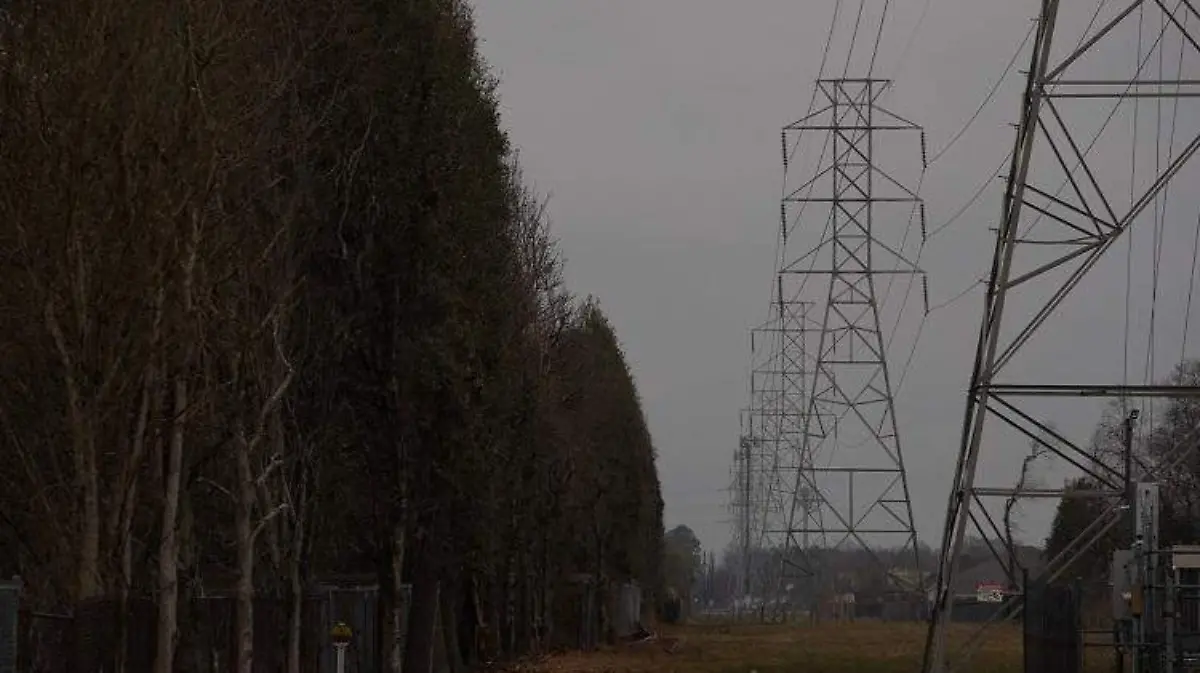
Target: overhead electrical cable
[
  {"x": 912, "y": 36},
  {"x": 1129, "y": 239},
  {"x": 1160, "y": 211},
  {"x": 780, "y": 234},
  {"x": 780, "y": 253},
  {"x": 1187, "y": 313},
  {"x": 853, "y": 38},
  {"x": 878, "y": 38},
  {"x": 992, "y": 175},
  {"x": 987, "y": 99},
  {"x": 991, "y": 94},
  {"x": 974, "y": 198}
]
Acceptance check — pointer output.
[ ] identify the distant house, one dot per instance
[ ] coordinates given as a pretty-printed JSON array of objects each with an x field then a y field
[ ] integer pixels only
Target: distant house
[
  {"x": 910, "y": 579},
  {"x": 987, "y": 570}
]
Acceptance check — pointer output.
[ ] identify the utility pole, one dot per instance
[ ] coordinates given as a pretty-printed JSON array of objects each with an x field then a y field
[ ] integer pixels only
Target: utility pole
[
  {"x": 1130, "y": 485},
  {"x": 712, "y": 576},
  {"x": 746, "y": 514},
  {"x": 744, "y": 490},
  {"x": 1131, "y": 507}
]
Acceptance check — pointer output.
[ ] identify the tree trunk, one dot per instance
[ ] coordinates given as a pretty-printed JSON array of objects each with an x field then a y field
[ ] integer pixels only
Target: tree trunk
[
  {"x": 295, "y": 563},
  {"x": 398, "y": 608},
  {"x": 525, "y": 612},
  {"x": 470, "y": 636},
  {"x": 545, "y": 631},
  {"x": 418, "y": 650},
  {"x": 122, "y": 520},
  {"x": 390, "y": 567},
  {"x": 168, "y": 547},
  {"x": 506, "y": 607},
  {"x": 449, "y": 610},
  {"x": 495, "y": 616},
  {"x": 83, "y": 457},
  {"x": 89, "y": 561},
  {"x": 295, "y": 619},
  {"x": 244, "y": 528}
]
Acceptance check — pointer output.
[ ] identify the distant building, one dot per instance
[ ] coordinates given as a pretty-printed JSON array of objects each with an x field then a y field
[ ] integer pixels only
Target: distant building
[{"x": 990, "y": 571}]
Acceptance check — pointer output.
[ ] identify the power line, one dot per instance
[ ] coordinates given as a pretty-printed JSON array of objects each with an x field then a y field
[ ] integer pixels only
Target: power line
[
  {"x": 992, "y": 175},
  {"x": 986, "y": 99},
  {"x": 780, "y": 234},
  {"x": 878, "y": 38},
  {"x": 1002, "y": 341},
  {"x": 1187, "y": 313},
  {"x": 978, "y": 193},
  {"x": 902, "y": 59},
  {"x": 853, "y": 38}
]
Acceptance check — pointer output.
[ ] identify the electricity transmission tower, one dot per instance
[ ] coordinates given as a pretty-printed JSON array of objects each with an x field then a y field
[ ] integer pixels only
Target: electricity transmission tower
[
  {"x": 849, "y": 488},
  {"x": 771, "y": 430},
  {"x": 1062, "y": 215}
]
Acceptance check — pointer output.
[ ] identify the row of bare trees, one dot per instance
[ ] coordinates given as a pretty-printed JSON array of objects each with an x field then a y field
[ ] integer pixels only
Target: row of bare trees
[{"x": 275, "y": 302}]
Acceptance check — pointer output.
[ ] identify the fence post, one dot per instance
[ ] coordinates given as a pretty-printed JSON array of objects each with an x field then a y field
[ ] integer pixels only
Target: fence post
[
  {"x": 10, "y": 603},
  {"x": 340, "y": 635},
  {"x": 1077, "y": 624},
  {"x": 1029, "y": 646}
]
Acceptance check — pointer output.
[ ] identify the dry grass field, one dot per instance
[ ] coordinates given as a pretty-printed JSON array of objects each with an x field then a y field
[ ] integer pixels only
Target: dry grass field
[{"x": 829, "y": 648}]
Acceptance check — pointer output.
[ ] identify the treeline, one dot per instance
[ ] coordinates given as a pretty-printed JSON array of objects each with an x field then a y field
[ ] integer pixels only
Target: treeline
[
  {"x": 276, "y": 303},
  {"x": 848, "y": 567},
  {"x": 1165, "y": 448}
]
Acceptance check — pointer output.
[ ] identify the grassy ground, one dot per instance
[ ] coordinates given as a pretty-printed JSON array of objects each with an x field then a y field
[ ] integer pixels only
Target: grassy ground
[{"x": 828, "y": 648}]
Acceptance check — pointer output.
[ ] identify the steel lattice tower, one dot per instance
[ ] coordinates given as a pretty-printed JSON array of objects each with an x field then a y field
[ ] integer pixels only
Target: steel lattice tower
[
  {"x": 771, "y": 430},
  {"x": 849, "y": 487},
  {"x": 1060, "y": 218}
]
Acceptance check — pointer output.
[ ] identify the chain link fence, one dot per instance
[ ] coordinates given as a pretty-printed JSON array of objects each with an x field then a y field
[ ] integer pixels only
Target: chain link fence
[{"x": 103, "y": 636}]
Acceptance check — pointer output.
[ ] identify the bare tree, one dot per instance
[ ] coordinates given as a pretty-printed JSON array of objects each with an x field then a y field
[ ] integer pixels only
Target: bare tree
[
  {"x": 1025, "y": 480},
  {"x": 275, "y": 270}
]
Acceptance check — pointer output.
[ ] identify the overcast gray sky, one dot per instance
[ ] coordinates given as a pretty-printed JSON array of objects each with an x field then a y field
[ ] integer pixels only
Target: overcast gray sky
[{"x": 654, "y": 127}]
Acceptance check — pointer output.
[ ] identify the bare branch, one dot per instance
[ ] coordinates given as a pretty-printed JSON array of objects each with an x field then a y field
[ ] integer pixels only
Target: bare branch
[
  {"x": 275, "y": 463},
  {"x": 1037, "y": 449},
  {"x": 209, "y": 482},
  {"x": 262, "y": 523}
]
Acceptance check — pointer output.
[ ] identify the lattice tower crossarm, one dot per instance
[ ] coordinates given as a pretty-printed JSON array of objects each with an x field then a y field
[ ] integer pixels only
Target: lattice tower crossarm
[
  {"x": 851, "y": 488},
  {"x": 1086, "y": 223}
]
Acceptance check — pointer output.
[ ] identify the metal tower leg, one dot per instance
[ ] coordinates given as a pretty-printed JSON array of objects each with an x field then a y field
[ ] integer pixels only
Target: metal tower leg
[{"x": 1073, "y": 231}]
